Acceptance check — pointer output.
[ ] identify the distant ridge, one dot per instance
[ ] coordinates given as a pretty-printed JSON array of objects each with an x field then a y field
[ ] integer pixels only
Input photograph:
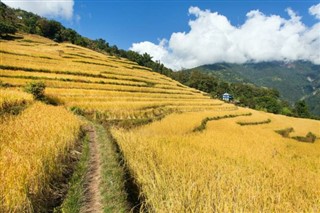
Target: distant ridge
[{"x": 296, "y": 80}]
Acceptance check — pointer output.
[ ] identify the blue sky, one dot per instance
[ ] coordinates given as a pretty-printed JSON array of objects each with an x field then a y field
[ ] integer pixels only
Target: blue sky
[
  {"x": 185, "y": 34},
  {"x": 126, "y": 22}
]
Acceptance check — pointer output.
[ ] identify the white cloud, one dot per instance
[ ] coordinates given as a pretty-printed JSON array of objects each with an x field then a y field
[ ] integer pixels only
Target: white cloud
[
  {"x": 315, "y": 10},
  {"x": 48, "y": 8},
  {"x": 212, "y": 38},
  {"x": 157, "y": 51}
]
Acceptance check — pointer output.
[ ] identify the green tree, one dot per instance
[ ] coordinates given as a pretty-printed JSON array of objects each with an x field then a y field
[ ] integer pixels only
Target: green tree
[
  {"x": 202, "y": 82},
  {"x": 114, "y": 50},
  {"x": 101, "y": 44},
  {"x": 81, "y": 41},
  {"x": 7, "y": 29},
  {"x": 69, "y": 35},
  {"x": 50, "y": 29},
  {"x": 301, "y": 109},
  {"x": 268, "y": 104}
]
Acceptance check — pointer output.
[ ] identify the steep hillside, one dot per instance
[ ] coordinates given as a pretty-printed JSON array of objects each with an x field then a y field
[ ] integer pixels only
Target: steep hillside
[
  {"x": 295, "y": 80},
  {"x": 112, "y": 87},
  {"x": 13, "y": 20},
  {"x": 35, "y": 145}
]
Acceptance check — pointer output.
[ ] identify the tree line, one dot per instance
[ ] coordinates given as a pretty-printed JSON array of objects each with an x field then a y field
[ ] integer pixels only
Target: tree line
[{"x": 246, "y": 95}]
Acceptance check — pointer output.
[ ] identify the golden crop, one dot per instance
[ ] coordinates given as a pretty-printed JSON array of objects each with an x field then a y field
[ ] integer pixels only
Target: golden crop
[
  {"x": 32, "y": 148},
  {"x": 62, "y": 77},
  {"x": 225, "y": 168},
  {"x": 13, "y": 97},
  {"x": 83, "y": 78},
  {"x": 72, "y": 92}
]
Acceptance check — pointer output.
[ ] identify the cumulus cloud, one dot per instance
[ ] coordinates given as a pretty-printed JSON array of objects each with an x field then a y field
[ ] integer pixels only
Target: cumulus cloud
[
  {"x": 315, "y": 10},
  {"x": 212, "y": 38},
  {"x": 48, "y": 8}
]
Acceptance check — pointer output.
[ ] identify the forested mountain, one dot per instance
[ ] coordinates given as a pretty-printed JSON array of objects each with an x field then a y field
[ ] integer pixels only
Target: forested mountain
[{"x": 298, "y": 80}]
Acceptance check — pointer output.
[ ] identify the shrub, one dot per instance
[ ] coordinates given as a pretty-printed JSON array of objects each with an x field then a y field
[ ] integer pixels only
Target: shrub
[
  {"x": 309, "y": 138},
  {"x": 285, "y": 132},
  {"x": 36, "y": 89},
  {"x": 205, "y": 121},
  {"x": 253, "y": 123}
]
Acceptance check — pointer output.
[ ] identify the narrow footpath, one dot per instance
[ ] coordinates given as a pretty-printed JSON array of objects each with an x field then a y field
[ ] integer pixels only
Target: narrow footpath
[
  {"x": 92, "y": 200},
  {"x": 105, "y": 185}
]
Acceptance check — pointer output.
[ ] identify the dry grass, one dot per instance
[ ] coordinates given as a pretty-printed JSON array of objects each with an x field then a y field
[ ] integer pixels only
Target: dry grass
[
  {"x": 32, "y": 147},
  {"x": 226, "y": 168}
]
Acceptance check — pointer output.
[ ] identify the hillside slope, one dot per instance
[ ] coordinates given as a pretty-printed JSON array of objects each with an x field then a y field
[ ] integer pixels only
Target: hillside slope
[
  {"x": 115, "y": 88},
  {"x": 295, "y": 80},
  {"x": 203, "y": 155},
  {"x": 224, "y": 161}
]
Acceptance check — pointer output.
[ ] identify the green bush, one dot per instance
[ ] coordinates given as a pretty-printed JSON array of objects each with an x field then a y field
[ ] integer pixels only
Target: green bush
[
  {"x": 309, "y": 138},
  {"x": 254, "y": 123},
  {"x": 285, "y": 132},
  {"x": 36, "y": 89},
  {"x": 7, "y": 29}
]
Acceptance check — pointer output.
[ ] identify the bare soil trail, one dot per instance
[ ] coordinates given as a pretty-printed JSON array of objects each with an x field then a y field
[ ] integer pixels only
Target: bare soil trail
[{"x": 92, "y": 200}]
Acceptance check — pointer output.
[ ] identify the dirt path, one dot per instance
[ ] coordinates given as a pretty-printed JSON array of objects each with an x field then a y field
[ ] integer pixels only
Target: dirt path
[{"x": 92, "y": 202}]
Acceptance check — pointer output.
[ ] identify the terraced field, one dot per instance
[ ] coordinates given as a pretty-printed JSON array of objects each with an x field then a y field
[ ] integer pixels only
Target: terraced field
[
  {"x": 35, "y": 145},
  {"x": 114, "y": 87},
  {"x": 224, "y": 166},
  {"x": 204, "y": 155}
]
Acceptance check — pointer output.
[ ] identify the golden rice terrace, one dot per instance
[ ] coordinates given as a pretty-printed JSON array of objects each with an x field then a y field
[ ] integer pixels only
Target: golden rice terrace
[
  {"x": 203, "y": 155},
  {"x": 92, "y": 81}
]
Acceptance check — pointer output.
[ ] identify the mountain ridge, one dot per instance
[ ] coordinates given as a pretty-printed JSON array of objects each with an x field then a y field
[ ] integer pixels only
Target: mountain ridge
[{"x": 296, "y": 80}]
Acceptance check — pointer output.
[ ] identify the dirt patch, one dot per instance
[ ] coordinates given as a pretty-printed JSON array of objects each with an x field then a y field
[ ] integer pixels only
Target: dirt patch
[{"x": 92, "y": 198}]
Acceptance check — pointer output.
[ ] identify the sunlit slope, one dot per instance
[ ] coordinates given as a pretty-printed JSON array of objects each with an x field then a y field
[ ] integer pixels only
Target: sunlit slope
[
  {"x": 92, "y": 81},
  {"x": 226, "y": 167},
  {"x": 213, "y": 157},
  {"x": 35, "y": 144}
]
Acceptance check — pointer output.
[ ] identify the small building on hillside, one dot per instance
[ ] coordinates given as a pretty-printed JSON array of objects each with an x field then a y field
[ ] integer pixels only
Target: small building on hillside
[{"x": 227, "y": 97}]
